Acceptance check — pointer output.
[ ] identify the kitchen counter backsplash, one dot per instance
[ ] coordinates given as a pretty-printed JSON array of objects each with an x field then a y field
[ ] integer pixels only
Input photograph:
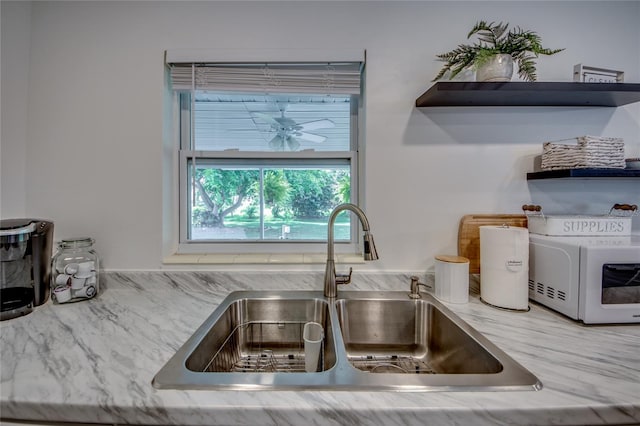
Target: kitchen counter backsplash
[{"x": 93, "y": 362}]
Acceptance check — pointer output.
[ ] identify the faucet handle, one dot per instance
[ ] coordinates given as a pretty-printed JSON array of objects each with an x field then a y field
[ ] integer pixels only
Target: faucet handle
[{"x": 344, "y": 278}]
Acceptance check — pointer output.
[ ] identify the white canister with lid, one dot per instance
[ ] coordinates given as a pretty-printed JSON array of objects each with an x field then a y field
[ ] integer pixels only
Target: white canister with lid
[{"x": 452, "y": 278}]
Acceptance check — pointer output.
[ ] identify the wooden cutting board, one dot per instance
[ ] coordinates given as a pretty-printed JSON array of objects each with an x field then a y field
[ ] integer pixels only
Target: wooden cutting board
[{"x": 469, "y": 234}]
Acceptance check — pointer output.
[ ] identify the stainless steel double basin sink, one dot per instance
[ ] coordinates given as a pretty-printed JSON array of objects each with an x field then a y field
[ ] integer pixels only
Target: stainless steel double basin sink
[{"x": 372, "y": 341}]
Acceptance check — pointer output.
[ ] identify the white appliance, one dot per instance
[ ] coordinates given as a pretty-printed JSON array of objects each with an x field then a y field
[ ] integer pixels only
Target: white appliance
[{"x": 592, "y": 279}]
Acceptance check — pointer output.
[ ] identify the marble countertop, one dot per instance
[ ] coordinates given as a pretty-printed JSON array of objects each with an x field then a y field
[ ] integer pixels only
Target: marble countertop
[{"x": 93, "y": 362}]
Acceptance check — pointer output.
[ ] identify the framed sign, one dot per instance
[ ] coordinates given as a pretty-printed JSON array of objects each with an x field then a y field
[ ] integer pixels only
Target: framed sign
[{"x": 586, "y": 74}]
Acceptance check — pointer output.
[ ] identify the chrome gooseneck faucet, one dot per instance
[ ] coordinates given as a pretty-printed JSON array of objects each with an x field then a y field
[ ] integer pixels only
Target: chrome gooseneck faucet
[{"x": 331, "y": 279}]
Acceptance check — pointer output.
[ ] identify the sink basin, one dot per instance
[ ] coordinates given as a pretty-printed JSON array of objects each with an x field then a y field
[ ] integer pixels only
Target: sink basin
[
  {"x": 372, "y": 341},
  {"x": 262, "y": 335},
  {"x": 253, "y": 340},
  {"x": 411, "y": 337}
]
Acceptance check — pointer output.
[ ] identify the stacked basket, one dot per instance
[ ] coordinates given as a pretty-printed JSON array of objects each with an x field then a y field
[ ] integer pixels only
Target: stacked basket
[{"x": 591, "y": 152}]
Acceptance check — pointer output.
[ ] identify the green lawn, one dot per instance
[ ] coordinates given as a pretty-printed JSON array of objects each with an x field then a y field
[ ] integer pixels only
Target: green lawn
[{"x": 300, "y": 229}]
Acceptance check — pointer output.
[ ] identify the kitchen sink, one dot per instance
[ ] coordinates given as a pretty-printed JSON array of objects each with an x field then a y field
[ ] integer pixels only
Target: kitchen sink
[
  {"x": 409, "y": 336},
  {"x": 372, "y": 341}
]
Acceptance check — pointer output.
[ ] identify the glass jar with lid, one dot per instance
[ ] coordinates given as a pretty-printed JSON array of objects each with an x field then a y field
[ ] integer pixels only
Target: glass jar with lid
[{"x": 75, "y": 270}]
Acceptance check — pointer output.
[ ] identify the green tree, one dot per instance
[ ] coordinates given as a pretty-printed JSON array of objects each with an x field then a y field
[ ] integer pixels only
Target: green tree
[
  {"x": 276, "y": 192},
  {"x": 222, "y": 192},
  {"x": 311, "y": 192},
  {"x": 251, "y": 212},
  {"x": 344, "y": 187}
]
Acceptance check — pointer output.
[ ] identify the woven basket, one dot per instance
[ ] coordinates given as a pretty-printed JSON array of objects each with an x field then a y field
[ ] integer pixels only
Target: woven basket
[{"x": 590, "y": 152}]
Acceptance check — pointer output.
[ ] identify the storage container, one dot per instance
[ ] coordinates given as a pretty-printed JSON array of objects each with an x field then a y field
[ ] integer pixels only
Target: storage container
[
  {"x": 589, "y": 152},
  {"x": 75, "y": 270}
]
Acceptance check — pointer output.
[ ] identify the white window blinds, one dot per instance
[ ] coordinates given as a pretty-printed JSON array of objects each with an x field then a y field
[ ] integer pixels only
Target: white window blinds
[
  {"x": 318, "y": 78},
  {"x": 317, "y": 71}
]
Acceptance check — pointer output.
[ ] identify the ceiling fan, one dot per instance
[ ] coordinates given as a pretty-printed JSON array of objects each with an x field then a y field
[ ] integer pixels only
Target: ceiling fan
[{"x": 288, "y": 131}]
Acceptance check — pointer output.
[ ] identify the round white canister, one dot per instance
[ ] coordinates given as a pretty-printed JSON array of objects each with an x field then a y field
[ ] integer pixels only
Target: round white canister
[{"x": 452, "y": 278}]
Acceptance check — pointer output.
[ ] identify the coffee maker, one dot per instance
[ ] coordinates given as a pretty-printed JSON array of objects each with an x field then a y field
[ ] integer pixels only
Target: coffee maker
[{"x": 25, "y": 265}]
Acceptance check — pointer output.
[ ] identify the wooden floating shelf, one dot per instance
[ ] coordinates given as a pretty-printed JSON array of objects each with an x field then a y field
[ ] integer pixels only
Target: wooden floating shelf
[
  {"x": 584, "y": 173},
  {"x": 471, "y": 93}
]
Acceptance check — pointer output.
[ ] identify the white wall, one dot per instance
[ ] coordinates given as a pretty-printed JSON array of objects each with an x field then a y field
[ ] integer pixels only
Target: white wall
[
  {"x": 97, "y": 128},
  {"x": 14, "y": 87}
]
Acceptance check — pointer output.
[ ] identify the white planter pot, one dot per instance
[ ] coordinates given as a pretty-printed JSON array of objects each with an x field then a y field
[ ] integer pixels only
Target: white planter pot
[{"x": 497, "y": 68}]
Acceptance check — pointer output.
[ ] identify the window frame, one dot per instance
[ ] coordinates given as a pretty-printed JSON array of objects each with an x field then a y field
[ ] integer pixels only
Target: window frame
[{"x": 353, "y": 155}]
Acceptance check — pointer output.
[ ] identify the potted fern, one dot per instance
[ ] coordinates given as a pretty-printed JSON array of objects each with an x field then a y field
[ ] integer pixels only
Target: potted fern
[{"x": 496, "y": 48}]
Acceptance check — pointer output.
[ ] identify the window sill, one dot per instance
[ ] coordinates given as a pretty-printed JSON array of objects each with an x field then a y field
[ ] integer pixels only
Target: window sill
[{"x": 258, "y": 259}]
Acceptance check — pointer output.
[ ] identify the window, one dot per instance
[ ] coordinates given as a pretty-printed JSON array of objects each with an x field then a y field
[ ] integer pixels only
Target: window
[{"x": 266, "y": 152}]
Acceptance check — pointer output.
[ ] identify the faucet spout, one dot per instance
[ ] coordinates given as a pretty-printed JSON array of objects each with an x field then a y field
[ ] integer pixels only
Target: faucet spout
[{"x": 331, "y": 279}]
